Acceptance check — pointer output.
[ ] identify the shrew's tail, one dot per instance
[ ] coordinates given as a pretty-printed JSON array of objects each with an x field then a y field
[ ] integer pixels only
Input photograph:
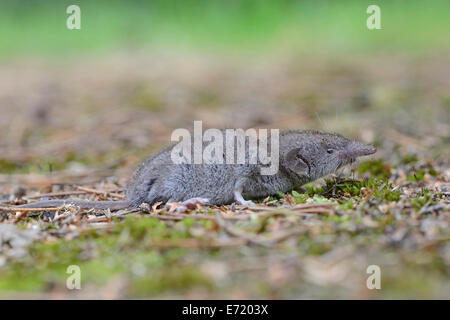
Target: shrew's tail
[{"x": 85, "y": 204}]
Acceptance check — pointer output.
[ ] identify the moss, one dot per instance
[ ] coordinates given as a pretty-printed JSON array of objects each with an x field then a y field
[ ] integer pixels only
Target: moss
[
  {"x": 299, "y": 197},
  {"x": 138, "y": 228},
  {"x": 347, "y": 205},
  {"x": 9, "y": 166},
  {"x": 409, "y": 158},
  {"x": 206, "y": 224},
  {"x": 413, "y": 283},
  {"x": 207, "y": 98},
  {"x": 175, "y": 280},
  {"x": 387, "y": 193},
  {"x": 21, "y": 282},
  {"x": 100, "y": 255},
  {"x": 423, "y": 198},
  {"x": 336, "y": 188},
  {"x": 376, "y": 168},
  {"x": 433, "y": 172},
  {"x": 317, "y": 248},
  {"x": 416, "y": 176},
  {"x": 148, "y": 99},
  {"x": 345, "y": 187},
  {"x": 319, "y": 199},
  {"x": 311, "y": 189}
]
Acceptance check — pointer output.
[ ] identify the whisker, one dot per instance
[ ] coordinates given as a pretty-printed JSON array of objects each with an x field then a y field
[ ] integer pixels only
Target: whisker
[{"x": 320, "y": 120}]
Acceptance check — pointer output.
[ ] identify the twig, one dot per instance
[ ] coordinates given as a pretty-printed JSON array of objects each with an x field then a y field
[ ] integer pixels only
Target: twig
[
  {"x": 285, "y": 234},
  {"x": 64, "y": 215},
  {"x": 317, "y": 210},
  {"x": 302, "y": 208},
  {"x": 11, "y": 209},
  {"x": 124, "y": 212},
  {"x": 298, "y": 206},
  {"x": 99, "y": 219},
  {"x": 313, "y": 205},
  {"x": 428, "y": 209}
]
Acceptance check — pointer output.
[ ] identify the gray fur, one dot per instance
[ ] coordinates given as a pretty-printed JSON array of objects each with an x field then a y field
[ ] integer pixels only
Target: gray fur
[
  {"x": 157, "y": 179},
  {"x": 303, "y": 158}
]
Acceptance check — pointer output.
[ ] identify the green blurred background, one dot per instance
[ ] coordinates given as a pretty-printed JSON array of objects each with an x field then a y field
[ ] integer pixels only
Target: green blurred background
[{"x": 31, "y": 27}]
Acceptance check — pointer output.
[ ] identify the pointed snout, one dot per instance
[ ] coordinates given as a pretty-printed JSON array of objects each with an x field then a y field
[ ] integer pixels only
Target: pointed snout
[{"x": 357, "y": 149}]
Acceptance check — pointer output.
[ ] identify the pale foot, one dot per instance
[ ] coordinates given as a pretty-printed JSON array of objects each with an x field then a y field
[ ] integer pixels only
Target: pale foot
[
  {"x": 248, "y": 203},
  {"x": 240, "y": 199}
]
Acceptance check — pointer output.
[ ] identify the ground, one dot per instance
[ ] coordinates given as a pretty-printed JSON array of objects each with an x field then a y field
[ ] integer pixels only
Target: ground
[{"x": 80, "y": 133}]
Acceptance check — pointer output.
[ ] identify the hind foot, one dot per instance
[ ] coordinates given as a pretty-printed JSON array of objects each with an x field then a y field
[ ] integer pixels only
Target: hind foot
[
  {"x": 240, "y": 199},
  {"x": 248, "y": 203}
]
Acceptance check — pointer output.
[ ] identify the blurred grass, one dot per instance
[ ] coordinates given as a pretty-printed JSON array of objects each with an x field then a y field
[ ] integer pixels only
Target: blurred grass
[{"x": 30, "y": 27}]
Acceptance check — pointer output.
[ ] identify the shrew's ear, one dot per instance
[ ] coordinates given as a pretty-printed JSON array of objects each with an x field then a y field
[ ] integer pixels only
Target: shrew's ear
[{"x": 297, "y": 163}]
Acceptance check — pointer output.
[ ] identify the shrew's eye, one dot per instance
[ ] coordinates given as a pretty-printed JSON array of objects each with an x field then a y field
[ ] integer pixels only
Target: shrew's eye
[{"x": 330, "y": 151}]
